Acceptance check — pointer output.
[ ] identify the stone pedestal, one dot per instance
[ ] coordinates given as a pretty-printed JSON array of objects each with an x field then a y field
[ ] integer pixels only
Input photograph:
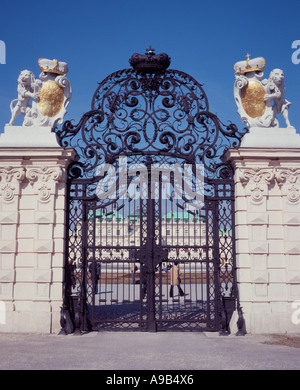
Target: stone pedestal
[
  {"x": 32, "y": 228},
  {"x": 28, "y": 137},
  {"x": 281, "y": 138},
  {"x": 267, "y": 217}
]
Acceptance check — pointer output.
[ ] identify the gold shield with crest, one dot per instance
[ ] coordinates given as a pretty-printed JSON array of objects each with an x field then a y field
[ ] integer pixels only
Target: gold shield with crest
[
  {"x": 51, "y": 99},
  {"x": 252, "y": 98}
]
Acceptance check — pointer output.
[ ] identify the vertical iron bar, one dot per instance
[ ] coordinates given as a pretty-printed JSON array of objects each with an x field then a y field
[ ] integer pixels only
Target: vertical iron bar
[
  {"x": 152, "y": 326},
  {"x": 83, "y": 291}
]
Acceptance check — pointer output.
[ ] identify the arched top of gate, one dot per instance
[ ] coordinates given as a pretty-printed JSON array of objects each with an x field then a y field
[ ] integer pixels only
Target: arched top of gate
[{"x": 149, "y": 110}]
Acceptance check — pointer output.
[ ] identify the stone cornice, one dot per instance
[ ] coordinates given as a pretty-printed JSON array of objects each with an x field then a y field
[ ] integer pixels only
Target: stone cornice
[
  {"x": 19, "y": 154},
  {"x": 262, "y": 155}
]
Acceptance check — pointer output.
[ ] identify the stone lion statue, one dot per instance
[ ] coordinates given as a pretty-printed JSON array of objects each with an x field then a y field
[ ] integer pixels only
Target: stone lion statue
[
  {"x": 275, "y": 91},
  {"x": 27, "y": 89}
]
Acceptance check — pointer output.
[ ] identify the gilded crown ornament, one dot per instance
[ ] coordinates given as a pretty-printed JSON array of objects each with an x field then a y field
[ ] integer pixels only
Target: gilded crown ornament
[
  {"x": 253, "y": 65},
  {"x": 53, "y": 66},
  {"x": 259, "y": 101}
]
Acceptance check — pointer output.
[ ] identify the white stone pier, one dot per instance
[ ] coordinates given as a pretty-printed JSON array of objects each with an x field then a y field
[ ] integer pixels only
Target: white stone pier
[
  {"x": 267, "y": 219},
  {"x": 32, "y": 228}
]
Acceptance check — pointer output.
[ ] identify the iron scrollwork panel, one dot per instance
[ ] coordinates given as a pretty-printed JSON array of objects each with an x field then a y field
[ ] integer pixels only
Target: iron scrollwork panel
[{"x": 162, "y": 113}]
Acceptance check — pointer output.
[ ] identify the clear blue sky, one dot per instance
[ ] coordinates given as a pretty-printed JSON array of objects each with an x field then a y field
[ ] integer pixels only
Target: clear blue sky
[{"x": 203, "y": 39}]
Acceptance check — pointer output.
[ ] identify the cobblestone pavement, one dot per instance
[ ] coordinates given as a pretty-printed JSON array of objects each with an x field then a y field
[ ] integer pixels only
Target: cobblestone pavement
[{"x": 149, "y": 351}]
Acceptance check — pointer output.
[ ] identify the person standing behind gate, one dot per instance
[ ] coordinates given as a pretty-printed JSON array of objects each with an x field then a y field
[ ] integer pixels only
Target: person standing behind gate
[
  {"x": 133, "y": 267},
  {"x": 175, "y": 279},
  {"x": 95, "y": 270}
]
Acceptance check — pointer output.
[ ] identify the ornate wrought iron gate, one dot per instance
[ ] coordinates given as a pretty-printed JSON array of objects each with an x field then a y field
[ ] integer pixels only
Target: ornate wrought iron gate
[{"x": 142, "y": 253}]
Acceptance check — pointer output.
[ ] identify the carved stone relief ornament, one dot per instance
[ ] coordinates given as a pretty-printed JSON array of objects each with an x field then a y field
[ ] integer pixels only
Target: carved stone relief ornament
[
  {"x": 259, "y": 179},
  {"x": 290, "y": 176},
  {"x": 10, "y": 179},
  {"x": 50, "y": 95},
  {"x": 259, "y": 101},
  {"x": 42, "y": 179}
]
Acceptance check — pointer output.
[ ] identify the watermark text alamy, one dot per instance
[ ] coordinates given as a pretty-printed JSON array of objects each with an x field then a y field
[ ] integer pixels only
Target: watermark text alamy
[
  {"x": 165, "y": 181},
  {"x": 2, "y": 53}
]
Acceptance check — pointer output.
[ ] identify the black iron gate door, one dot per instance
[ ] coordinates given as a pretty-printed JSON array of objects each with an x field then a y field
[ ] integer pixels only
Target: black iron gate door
[{"x": 150, "y": 232}]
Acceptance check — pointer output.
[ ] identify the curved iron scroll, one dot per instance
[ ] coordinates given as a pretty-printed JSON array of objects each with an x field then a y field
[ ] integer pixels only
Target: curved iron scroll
[{"x": 163, "y": 113}]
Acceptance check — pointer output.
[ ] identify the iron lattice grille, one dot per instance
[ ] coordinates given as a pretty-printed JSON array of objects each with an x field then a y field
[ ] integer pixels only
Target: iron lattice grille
[{"x": 161, "y": 118}]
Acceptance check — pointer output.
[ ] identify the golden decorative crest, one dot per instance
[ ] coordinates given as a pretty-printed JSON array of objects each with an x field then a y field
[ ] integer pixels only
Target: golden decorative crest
[
  {"x": 252, "y": 98},
  {"x": 51, "y": 99}
]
